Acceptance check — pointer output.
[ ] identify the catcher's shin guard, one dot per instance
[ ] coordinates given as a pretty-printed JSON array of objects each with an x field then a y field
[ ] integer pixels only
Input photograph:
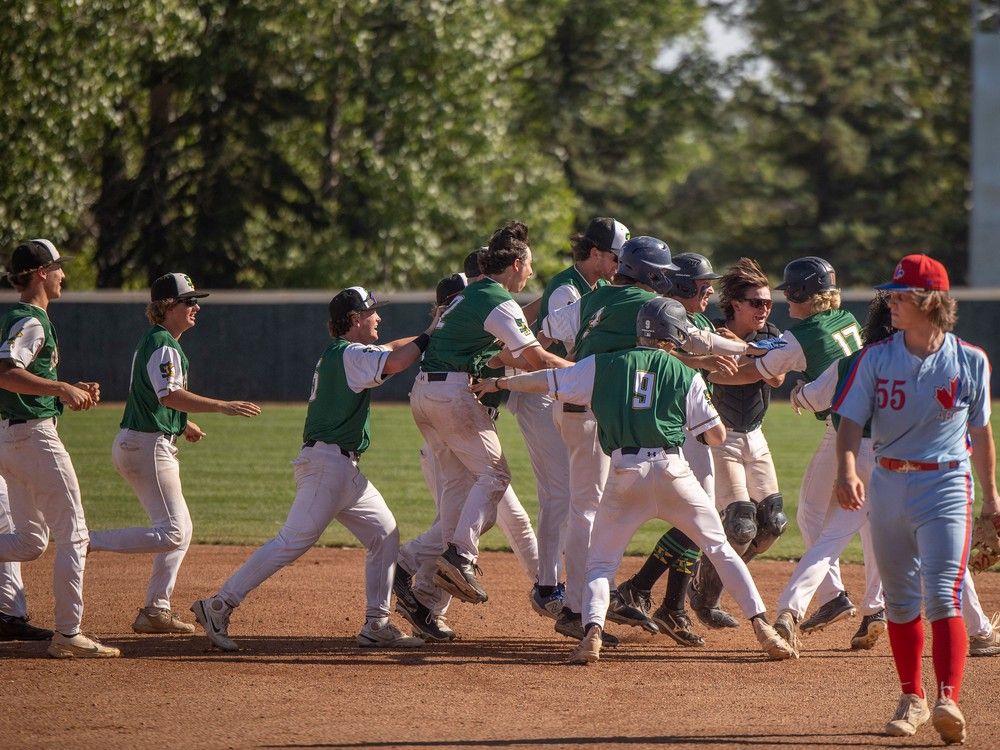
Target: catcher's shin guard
[
  {"x": 739, "y": 521},
  {"x": 771, "y": 524}
]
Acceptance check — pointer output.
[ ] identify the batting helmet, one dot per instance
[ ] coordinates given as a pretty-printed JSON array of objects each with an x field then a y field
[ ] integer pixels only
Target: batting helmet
[
  {"x": 805, "y": 277},
  {"x": 646, "y": 260},
  {"x": 449, "y": 286},
  {"x": 693, "y": 268},
  {"x": 471, "y": 266},
  {"x": 663, "y": 319}
]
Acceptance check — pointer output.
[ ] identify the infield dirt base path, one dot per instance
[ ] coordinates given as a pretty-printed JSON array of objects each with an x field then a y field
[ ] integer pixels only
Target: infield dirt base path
[{"x": 302, "y": 682}]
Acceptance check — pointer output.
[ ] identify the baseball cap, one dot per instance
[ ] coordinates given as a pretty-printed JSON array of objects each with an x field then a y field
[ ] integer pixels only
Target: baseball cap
[
  {"x": 34, "y": 254},
  {"x": 470, "y": 267},
  {"x": 918, "y": 273},
  {"x": 449, "y": 286},
  {"x": 174, "y": 286},
  {"x": 607, "y": 234},
  {"x": 352, "y": 299}
]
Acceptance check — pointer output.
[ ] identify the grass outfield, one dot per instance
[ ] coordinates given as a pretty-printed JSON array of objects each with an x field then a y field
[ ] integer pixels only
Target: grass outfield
[{"x": 238, "y": 480}]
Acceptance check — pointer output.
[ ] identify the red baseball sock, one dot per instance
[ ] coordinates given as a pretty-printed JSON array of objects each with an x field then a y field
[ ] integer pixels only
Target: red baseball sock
[
  {"x": 907, "y": 642},
  {"x": 948, "y": 649}
]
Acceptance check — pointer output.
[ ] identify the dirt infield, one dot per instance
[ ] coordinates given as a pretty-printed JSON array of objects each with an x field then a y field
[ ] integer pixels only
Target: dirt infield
[{"x": 302, "y": 681}]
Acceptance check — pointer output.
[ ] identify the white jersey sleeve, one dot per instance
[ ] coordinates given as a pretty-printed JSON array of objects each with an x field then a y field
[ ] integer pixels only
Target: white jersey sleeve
[
  {"x": 700, "y": 415},
  {"x": 563, "y": 324},
  {"x": 363, "y": 366},
  {"x": 563, "y": 295},
  {"x": 573, "y": 385},
  {"x": 818, "y": 395},
  {"x": 706, "y": 342},
  {"x": 165, "y": 371},
  {"x": 778, "y": 362},
  {"x": 507, "y": 323},
  {"x": 25, "y": 340}
]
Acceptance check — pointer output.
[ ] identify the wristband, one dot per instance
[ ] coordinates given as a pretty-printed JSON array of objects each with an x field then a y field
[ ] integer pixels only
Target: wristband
[{"x": 422, "y": 342}]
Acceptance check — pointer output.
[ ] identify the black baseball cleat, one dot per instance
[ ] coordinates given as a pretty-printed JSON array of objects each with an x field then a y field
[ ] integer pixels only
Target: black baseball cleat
[
  {"x": 457, "y": 575},
  {"x": 677, "y": 625},
  {"x": 872, "y": 626},
  {"x": 715, "y": 618},
  {"x": 837, "y": 609},
  {"x": 423, "y": 621},
  {"x": 630, "y": 606},
  {"x": 19, "y": 629}
]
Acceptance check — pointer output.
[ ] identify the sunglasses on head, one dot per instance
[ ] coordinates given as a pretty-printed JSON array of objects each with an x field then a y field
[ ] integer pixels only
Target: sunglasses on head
[{"x": 760, "y": 304}]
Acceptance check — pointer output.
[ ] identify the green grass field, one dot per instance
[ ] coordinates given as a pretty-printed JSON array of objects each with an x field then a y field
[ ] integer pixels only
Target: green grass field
[{"x": 238, "y": 480}]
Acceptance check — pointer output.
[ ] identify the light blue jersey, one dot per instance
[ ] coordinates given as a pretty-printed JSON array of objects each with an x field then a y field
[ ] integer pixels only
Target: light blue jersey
[{"x": 920, "y": 408}]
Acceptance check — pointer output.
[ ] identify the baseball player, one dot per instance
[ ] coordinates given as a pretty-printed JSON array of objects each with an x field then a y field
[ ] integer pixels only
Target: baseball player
[
  {"x": 459, "y": 429},
  {"x": 329, "y": 482},
  {"x": 14, "y": 620},
  {"x": 428, "y": 620},
  {"x": 822, "y": 334},
  {"x": 927, "y": 395},
  {"x": 595, "y": 260},
  {"x": 145, "y": 450},
  {"x": 41, "y": 482},
  {"x": 643, "y": 402}
]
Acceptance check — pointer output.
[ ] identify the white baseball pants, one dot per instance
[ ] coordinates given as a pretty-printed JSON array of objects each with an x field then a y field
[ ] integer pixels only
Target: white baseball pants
[
  {"x": 12, "y": 600},
  {"x": 588, "y": 473},
  {"x": 744, "y": 468},
  {"x": 148, "y": 462},
  {"x": 463, "y": 438},
  {"x": 655, "y": 484},
  {"x": 550, "y": 462},
  {"x": 45, "y": 498},
  {"x": 328, "y": 486},
  {"x": 699, "y": 458},
  {"x": 828, "y": 543}
]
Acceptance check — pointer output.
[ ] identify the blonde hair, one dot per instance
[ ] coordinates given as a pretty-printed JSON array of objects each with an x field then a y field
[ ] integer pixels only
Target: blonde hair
[
  {"x": 940, "y": 308},
  {"x": 823, "y": 301},
  {"x": 156, "y": 312}
]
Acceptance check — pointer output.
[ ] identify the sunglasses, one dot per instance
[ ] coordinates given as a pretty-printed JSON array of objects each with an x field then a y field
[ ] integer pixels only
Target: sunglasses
[
  {"x": 189, "y": 302},
  {"x": 760, "y": 304}
]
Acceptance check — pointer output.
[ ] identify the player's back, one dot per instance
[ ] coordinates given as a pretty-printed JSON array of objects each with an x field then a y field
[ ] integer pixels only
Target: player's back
[{"x": 607, "y": 319}]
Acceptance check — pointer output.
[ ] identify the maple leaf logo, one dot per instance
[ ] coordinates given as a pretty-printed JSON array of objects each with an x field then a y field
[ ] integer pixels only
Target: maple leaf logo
[{"x": 947, "y": 398}]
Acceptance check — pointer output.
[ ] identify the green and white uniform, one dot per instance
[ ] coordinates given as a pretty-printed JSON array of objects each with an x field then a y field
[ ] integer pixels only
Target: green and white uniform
[
  {"x": 328, "y": 481},
  {"x": 44, "y": 494},
  {"x": 145, "y": 454},
  {"x": 647, "y": 403}
]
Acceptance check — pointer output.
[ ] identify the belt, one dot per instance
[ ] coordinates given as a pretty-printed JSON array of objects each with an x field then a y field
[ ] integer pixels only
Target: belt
[
  {"x": 437, "y": 377},
  {"x": 25, "y": 421},
  {"x": 898, "y": 465},
  {"x": 574, "y": 408},
  {"x": 673, "y": 450},
  {"x": 350, "y": 454}
]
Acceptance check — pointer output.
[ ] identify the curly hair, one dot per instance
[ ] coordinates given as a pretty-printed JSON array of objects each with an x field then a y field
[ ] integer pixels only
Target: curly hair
[
  {"x": 508, "y": 243},
  {"x": 878, "y": 322},
  {"x": 939, "y": 307},
  {"x": 156, "y": 312},
  {"x": 741, "y": 277},
  {"x": 823, "y": 301}
]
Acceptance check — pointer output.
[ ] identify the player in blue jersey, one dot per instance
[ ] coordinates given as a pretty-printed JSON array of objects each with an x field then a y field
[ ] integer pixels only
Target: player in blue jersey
[{"x": 925, "y": 391}]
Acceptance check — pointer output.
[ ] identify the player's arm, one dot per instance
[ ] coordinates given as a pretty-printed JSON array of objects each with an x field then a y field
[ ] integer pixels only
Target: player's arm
[
  {"x": 701, "y": 420},
  {"x": 817, "y": 395},
  {"x": 848, "y": 487},
  {"x": 404, "y": 352},
  {"x": 770, "y": 368},
  {"x": 854, "y": 403},
  {"x": 166, "y": 376},
  {"x": 573, "y": 384},
  {"x": 25, "y": 339},
  {"x": 506, "y": 322},
  {"x": 721, "y": 363},
  {"x": 984, "y": 463},
  {"x": 531, "y": 311}
]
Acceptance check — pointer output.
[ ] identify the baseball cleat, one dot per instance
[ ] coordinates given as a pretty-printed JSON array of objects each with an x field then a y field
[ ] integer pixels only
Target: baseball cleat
[
  {"x": 715, "y": 618},
  {"x": 773, "y": 644},
  {"x": 19, "y": 629},
  {"x": 987, "y": 645},
  {"x": 949, "y": 721},
  {"x": 872, "y": 626},
  {"x": 589, "y": 649},
  {"x": 570, "y": 625},
  {"x": 80, "y": 646},
  {"x": 152, "y": 620},
  {"x": 788, "y": 628},
  {"x": 551, "y": 605},
  {"x": 213, "y": 615},
  {"x": 457, "y": 575},
  {"x": 677, "y": 625},
  {"x": 381, "y": 633},
  {"x": 442, "y": 624},
  {"x": 911, "y": 712},
  {"x": 837, "y": 609},
  {"x": 630, "y": 606},
  {"x": 423, "y": 621}
]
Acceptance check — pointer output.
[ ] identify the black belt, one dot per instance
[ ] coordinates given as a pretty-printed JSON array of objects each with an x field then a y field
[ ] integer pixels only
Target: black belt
[
  {"x": 673, "y": 450},
  {"x": 350, "y": 454},
  {"x": 25, "y": 421},
  {"x": 574, "y": 408},
  {"x": 437, "y": 377}
]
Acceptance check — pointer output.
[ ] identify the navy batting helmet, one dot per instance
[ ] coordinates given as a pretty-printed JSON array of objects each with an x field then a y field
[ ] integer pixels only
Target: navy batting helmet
[
  {"x": 807, "y": 276},
  {"x": 448, "y": 287},
  {"x": 663, "y": 319},
  {"x": 693, "y": 268},
  {"x": 646, "y": 260}
]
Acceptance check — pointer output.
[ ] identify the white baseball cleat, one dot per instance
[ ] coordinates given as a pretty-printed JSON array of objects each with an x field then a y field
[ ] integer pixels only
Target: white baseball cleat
[
  {"x": 383, "y": 634},
  {"x": 911, "y": 713},
  {"x": 213, "y": 615},
  {"x": 773, "y": 644},
  {"x": 589, "y": 649},
  {"x": 151, "y": 620},
  {"x": 949, "y": 721},
  {"x": 80, "y": 646}
]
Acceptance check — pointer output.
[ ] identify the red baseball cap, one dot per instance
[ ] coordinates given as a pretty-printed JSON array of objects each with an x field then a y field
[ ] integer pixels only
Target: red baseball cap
[{"x": 918, "y": 273}]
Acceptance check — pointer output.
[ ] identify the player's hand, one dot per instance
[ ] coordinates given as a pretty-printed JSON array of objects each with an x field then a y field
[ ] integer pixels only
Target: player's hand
[
  {"x": 489, "y": 385},
  {"x": 94, "y": 389},
  {"x": 76, "y": 398},
  {"x": 240, "y": 409},
  {"x": 727, "y": 334},
  {"x": 193, "y": 433},
  {"x": 850, "y": 492},
  {"x": 722, "y": 363}
]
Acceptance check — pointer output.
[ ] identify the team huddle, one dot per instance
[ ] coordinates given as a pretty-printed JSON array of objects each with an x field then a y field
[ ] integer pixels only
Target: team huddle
[{"x": 633, "y": 404}]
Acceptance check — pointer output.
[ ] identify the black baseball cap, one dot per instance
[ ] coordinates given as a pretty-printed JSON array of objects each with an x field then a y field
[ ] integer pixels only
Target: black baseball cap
[
  {"x": 449, "y": 286},
  {"x": 607, "y": 234},
  {"x": 471, "y": 265},
  {"x": 174, "y": 286},
  {"x": 352, "y": 299},
  {"x": 34, "y": 254}
]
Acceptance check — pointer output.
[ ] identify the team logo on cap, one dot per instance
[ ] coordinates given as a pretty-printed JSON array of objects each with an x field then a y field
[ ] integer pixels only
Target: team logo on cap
[
  {"x": 188, "y": 280},
  {"x": 898, "y": 273}
]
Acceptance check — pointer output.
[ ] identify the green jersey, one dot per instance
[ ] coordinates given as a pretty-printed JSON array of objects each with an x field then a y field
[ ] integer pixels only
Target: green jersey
[
  {"x": 159, "y": 367},
  {"x": 607, "y": 319},
  {"x": 467, "y": 334},
  {"x": 566, "y": 287},
  {"x": 29, "y": 341},
  {"x": 339, "y": 409}
]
